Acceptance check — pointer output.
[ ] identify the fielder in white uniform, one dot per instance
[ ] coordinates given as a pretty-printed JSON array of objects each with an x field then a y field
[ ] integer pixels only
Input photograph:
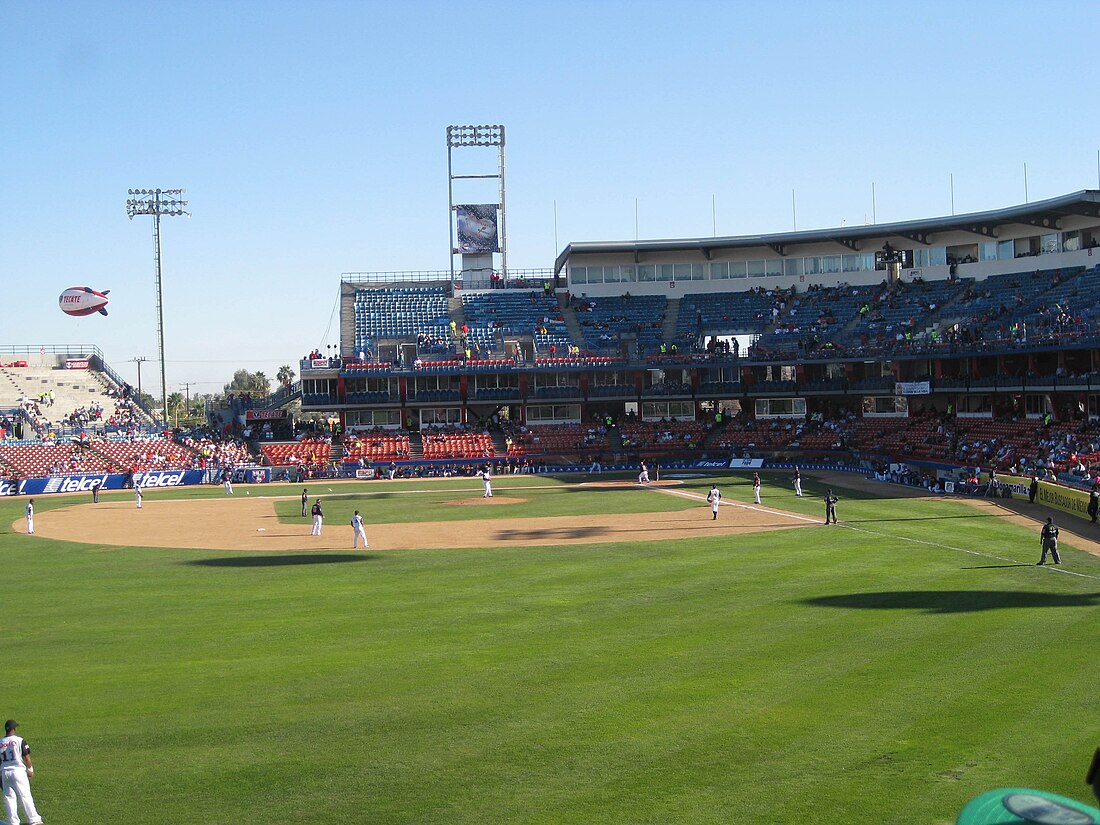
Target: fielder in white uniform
[
  {"x": 357, "y": 531},
  {"x": 797, "y": 483},
  {"x": 30, "y": 517},
  {"x": 715, "y": 498},
  {"x": 137, "y": 494},
  {"x": 643, "y": 476},
  {"x": 318, "y": 518},
  {"x": 756, "y": 487},
  {"x": 487, "y": 479},
  {"x": 16, "y": 770},
  {"x": 227, "y": 482}
]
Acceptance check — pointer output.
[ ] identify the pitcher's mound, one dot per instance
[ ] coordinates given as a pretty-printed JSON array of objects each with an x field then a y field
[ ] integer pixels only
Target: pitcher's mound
[{"x": 473, "y": 502}]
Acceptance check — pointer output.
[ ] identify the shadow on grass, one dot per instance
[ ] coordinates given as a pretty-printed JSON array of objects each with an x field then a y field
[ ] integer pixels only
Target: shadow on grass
[
  {"x": 953, "y": 601},
  {"x": 281, "y": 560}
]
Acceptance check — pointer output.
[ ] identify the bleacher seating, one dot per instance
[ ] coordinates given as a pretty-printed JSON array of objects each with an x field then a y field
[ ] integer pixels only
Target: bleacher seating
[
  {"x": 605, "y": 321},
  {"x": 377, "y": 446},
  {"x": 724, "y": 313},
  {"x": 151, "y": 453},
  {"x": 440, "y": 444},
  {"x": 46, "y": 459},
  {"x": 654, "y": 436},
  {"x": 402, "y": 313},
  {"x": 307, "y": 451},
  {"x": 555, "y": 438},
  {"x": 495, "y": 316}
]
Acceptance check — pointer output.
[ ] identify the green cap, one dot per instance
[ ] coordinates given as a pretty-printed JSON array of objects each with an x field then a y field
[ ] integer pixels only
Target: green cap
[{"x": 1008, "y": 806}]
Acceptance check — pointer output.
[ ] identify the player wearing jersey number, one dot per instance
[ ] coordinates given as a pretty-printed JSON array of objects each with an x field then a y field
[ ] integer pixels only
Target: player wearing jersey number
[
  {"x": 357, "y": 531},
  {"x": 715, "y": 499},
  {"x": 16, "y": 770}
]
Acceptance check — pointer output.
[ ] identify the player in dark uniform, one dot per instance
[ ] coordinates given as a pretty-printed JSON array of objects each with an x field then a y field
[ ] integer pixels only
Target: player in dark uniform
[
  {"x": 305, "y": 501},
  {"x": 1094, "y": 502},
  {"x": 830, "y": 507},
  {"x": 1049, "y": 537}
]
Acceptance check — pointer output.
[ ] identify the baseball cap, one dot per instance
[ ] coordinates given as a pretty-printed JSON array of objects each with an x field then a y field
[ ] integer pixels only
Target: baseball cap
[
  {"x": 11, "y": 724},
  {"x": 1009, "y": 806}
]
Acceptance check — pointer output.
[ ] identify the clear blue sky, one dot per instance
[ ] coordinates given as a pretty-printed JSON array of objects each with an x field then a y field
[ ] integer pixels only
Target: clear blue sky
[{"x": 310, "y": 138}]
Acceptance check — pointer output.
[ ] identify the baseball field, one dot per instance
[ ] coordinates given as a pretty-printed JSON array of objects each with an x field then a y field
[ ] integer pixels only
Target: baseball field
[{"x": 570, "y": 651}]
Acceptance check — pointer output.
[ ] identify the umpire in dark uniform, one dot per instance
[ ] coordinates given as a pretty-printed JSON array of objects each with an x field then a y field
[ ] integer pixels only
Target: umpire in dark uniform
[
  {"x": 1049, "y": 538},
  {"x": 830, "y": 507},
  {"x": 305, "y": 501}
]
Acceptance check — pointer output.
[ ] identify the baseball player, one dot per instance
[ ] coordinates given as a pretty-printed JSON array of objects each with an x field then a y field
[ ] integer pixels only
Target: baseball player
[
  {"x": 30, "y": 517},
  {"x": 797, "y": 483},
  {"x": 318, "y": 518},
  {"x": 137, "y": 493},
  {"x": 305, "y": 501},
  {"x": 95, "y": 491},
  {"x": 227, "y": 482},
  {"x": 643, "y": 476},
  {"x": 756, "y": 487},
  {"x": 16, "y": 770},
  {"x": 487, "y": 480},
  {"x": 1049, "y": 538},
  {"x": 830, "y": 507},
  {"x": 357, "y": 531},
  {"x": 715, "y": 498}
]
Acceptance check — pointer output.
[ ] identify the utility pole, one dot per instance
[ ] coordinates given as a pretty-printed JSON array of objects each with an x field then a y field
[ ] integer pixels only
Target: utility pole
[{"x": 139, "y": 360}]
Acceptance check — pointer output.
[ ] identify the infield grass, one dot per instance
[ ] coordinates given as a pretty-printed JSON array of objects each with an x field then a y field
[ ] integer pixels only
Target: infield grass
[{"x": 817, "y": 675}]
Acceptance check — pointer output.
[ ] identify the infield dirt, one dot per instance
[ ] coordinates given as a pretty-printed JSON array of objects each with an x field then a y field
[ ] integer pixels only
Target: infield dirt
[{"x": 250, "y": 523}]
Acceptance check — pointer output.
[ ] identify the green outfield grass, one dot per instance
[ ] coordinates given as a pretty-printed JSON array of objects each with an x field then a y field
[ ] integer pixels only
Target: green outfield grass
[{"x": 854, "y": 674}]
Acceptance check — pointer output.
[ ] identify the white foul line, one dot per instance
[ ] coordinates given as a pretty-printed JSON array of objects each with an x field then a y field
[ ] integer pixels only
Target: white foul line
[{"x": 1051, "y": 568}]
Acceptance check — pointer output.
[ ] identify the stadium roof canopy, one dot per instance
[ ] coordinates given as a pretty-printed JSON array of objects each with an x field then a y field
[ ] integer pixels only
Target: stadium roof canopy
[{"x": 1043, "y": 214}]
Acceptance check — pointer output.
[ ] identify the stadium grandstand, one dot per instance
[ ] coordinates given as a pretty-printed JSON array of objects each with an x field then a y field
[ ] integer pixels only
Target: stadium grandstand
[
  {"x": 950, "y": 341},
  {"x": 942, "y": 344}
]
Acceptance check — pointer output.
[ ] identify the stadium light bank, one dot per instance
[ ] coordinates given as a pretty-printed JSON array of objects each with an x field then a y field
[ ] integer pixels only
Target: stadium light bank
[{"x": 157, "y": 202}]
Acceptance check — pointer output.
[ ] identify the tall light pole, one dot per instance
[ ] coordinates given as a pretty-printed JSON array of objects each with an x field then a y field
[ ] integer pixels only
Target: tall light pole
[{"x": 157, "y": 202}]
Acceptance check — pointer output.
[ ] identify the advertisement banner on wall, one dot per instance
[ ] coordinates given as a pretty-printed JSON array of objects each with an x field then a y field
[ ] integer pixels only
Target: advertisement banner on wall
[
  {"x": 912, "y": 388},
  {"x": 746, "y": 463},
  {"x": 1067, "y": 499},
  {"x": 477, "y": 228},
  {"x": 85, "y": 483}
]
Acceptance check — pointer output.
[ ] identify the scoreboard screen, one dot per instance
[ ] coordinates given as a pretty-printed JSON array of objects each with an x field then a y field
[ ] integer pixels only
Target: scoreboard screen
[{"x": 884, "y": 257}]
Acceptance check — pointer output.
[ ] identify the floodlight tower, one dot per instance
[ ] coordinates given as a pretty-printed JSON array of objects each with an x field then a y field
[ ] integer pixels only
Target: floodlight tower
[
  {"x": 478, "y": 250},
  {"x": 157, "y": 202}
]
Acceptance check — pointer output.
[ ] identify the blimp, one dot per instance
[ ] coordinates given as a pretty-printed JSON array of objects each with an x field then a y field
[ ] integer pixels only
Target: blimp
[{"x": 83, "y": 300}]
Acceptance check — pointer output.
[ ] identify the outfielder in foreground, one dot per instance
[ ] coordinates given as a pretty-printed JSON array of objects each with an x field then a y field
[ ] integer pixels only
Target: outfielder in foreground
[
  {"x": 16, "y": 770},
  {"x": 358, "y": 532},
  {"x": 715, "y": 498}
]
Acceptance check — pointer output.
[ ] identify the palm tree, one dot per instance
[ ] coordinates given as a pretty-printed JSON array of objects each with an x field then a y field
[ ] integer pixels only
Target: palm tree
[
  {"x": 176, "y": 402},
  {"x": 261, "y": 384},
  {"x": 285, "y": 375}
]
